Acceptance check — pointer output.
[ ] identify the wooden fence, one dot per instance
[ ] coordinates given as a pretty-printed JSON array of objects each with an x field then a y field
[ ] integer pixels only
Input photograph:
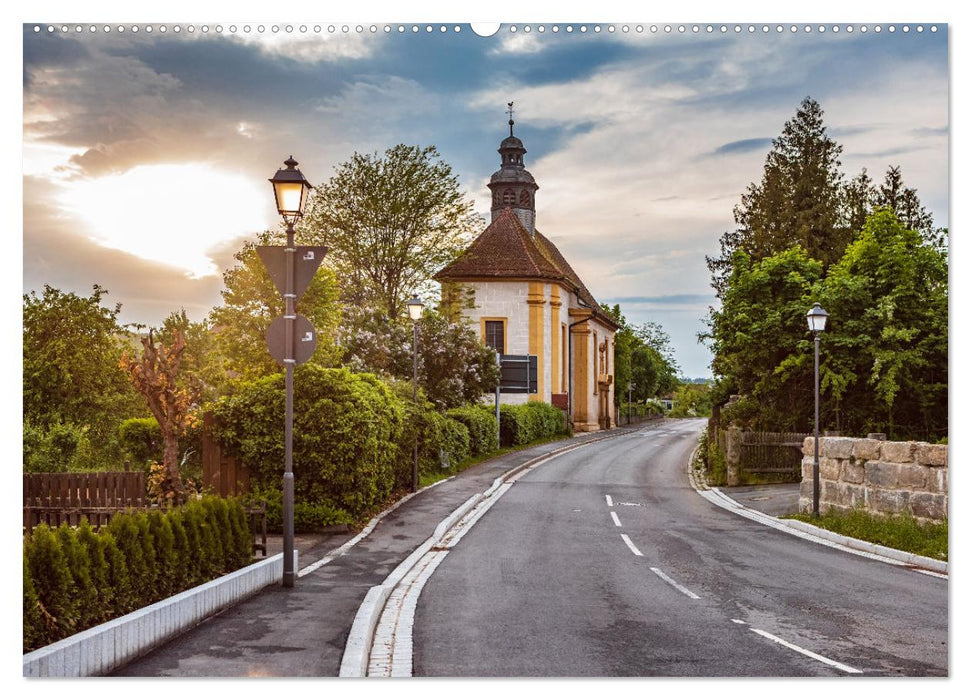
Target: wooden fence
[
  {"x": 55, "y": 498},
  {"x": 221, "y": 472},
  {"x": 772, "y": 453}
]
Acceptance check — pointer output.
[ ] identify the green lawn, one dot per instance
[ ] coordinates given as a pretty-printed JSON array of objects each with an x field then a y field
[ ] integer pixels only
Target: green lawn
[{"x": 899, "y": 531}]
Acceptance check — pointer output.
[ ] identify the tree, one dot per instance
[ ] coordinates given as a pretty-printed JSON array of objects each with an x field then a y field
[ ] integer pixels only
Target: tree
[
  {"x": 903, "y": 202},
  {"x": 797, "y": 201},
  {"x": 155, "y": 375},
  {"x": 886, "y": 345},
  {"x": 760, "y": 341},
  {"x": 454, "y": 367},
  {"x": 643, "y": 355},
  {"x": 390, "y": 222},
  {"x": 71, "y": 348},
  {"x": 251, "y": 303}
]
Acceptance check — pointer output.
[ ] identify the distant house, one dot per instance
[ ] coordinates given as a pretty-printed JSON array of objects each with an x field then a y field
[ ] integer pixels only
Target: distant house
[{"x": 525, "y": 299}]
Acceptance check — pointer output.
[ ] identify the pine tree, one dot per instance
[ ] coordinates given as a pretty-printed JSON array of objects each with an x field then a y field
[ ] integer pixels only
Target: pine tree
[
  {"x": 797, "y": 201},
  {"x": 85, "y": 595}
]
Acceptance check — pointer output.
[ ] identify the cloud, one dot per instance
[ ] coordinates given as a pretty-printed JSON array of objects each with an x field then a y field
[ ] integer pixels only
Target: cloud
[
  {"x": 518, "y": 43},
  {"x": 666, "y": 300},
  {"x": 743, "y": 146},
  {"x": 322, "y": 47}
]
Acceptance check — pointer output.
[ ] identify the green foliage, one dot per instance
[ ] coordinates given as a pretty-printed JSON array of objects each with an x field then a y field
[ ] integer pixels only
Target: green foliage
[
  {"x": 691, "y": 400},
  {"x": 75, "y": 578},
  {"x": 903, "y": 532},
  {"x": 480, "y": 422},
  {"x": 642, "y": 355},
  {"x": 520, "y": 424},
  {"x": 58, "y": 447},
  {"x": 71, "y": 377},
  {"x": 454, "y": 367},
  {"x": 347, "y": 433},
  {"x": 53, "y": 585},
  {"x": 390, "y": 222},
  {"x": 307, "y": 516},
  {"x": 141, "y": 441}
]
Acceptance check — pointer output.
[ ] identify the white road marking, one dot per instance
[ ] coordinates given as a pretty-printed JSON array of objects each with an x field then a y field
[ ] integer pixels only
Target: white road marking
[
  {"x": 629, "y": 504},
  {"x": 806, "y": 652},
  {"x": 739, "y": 622},
  {"x": 616, "y": 519},
  {"x": 610, "y": 503},
  {"x": 931, "y": 573},
  {"x": 674, "y": 583},
  {"x": 635, "y": 550}
]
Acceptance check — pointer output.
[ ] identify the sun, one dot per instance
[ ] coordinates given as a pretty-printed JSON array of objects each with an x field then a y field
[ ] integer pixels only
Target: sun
[{"x": 171, "y": 214}]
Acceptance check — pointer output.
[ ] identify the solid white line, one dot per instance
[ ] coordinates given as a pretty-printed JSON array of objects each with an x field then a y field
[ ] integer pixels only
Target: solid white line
[
  {"x": 931, "y": 573},
  {"x": 630, "y": 544},
  {"x": 616, "y": 519},
  {"x": 738, "y": 622},
  {"x": 610, "y": 503},
  {"x": 674, "y": 583},
  {"x": 810, "y": 654}
]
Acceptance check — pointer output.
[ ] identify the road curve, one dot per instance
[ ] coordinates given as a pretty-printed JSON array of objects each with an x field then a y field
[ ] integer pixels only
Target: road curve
[{"x": 605, "y": 562}]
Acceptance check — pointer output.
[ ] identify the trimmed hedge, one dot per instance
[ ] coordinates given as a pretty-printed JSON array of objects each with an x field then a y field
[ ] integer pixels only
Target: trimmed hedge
[
  {"x": 75, "y": 578},
  {"x": 520, "y": 424},
  {"x": 481, "y": 424}
]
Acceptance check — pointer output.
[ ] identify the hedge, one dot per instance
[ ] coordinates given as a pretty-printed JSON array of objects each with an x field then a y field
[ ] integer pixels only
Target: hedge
[
  {"x": 520, "y": 424},
  {"x": 75, "y": 578},
  {"x": 481, "y": 424}
]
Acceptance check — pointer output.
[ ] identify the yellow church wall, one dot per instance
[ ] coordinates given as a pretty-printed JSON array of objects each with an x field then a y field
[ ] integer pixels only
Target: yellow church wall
[{"x": 537, "y": 303}]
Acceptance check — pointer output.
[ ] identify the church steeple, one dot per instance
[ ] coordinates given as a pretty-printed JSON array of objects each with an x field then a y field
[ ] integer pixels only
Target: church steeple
[{"x": 512, "y": 185}]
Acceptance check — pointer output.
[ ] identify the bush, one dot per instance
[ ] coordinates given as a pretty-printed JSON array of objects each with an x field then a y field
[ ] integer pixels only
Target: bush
[
  {"x": 75, "y": 578},
  {"x": 60, "y": 447},
  {"x": 520, "y": 424},
  {"x": 141, "y": 441},
  {"x": 481, "y": 424},
  {"x": 347, "y": 436}
]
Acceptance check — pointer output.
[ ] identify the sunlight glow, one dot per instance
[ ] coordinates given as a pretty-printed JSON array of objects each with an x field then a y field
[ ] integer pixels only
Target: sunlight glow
[{"x": 172, "y": 214}]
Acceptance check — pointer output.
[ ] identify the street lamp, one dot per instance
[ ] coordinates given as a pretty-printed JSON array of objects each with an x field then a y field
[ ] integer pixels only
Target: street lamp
[
  {"x": 415, "y": 307},
  {"x": 816, "y": 318},
  {"x": 290, "y": 189}
]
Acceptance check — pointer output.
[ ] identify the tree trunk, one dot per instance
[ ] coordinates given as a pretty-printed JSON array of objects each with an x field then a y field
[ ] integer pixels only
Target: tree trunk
[{"x": 172, "y": 485}]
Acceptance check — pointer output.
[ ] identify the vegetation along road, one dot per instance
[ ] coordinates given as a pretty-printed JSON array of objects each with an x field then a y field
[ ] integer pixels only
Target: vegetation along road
[{"x": 604, "y": 562}]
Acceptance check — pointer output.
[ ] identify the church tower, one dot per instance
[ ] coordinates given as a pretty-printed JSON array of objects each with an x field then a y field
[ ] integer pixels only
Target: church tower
[{"x": 512, "y": 185}]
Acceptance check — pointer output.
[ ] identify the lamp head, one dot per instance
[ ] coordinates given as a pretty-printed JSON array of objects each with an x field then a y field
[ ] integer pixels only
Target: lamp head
[
  {"x": 415, "y": 307},
  {"x": 816, "y": 318},
  {"x": 290, "y": 189}
]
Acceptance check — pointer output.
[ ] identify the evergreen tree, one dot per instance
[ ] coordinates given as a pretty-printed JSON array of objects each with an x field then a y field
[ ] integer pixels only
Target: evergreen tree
[{"x": 797, "y": 201}]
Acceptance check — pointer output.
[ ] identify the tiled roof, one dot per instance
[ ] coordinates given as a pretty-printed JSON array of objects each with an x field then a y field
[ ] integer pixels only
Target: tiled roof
[{"x": 505, "y": 249}]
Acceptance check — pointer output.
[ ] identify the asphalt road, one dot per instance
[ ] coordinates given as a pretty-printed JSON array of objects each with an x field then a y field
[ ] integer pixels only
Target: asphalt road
[{"x": 605, "y": 562}]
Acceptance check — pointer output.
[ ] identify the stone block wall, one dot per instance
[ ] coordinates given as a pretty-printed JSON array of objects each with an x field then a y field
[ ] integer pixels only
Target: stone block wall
[{"x": 886, "y": 478}]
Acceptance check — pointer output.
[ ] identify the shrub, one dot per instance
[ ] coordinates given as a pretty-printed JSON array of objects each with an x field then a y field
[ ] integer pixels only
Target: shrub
[
  {"x": 58, "y": 448},
  {"x": 53, "y": 585},
  {"x": 307, "y": 516},
  {"x": 347, "y": 435},
  {"x": 481, "y": 424},
  {"x": 520, "y": 424},
  {"x": 75, "y": 577},
  {"x": 455, "y": 441},
  {"x": 141, "y": 441}
]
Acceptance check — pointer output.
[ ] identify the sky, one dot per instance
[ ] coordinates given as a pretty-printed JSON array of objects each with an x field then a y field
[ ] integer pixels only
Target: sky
[{"x": 146, "y": 154}]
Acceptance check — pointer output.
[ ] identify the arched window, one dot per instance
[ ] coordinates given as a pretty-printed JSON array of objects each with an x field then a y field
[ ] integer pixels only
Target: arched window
[
  {"x": 524, "y": 198},
  {"x": 508, "y": 197}
]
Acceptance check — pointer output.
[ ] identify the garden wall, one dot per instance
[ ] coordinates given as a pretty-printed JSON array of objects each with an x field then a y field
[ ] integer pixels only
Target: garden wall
[{"x": 885, "y": 478}]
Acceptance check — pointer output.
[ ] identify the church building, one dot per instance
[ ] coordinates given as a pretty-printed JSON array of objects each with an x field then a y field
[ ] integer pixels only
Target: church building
[{"x": 521, "y": 294}]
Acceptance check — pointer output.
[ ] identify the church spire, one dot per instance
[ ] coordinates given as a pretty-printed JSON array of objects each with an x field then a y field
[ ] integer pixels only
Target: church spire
[{"x": 512, "y": 185}]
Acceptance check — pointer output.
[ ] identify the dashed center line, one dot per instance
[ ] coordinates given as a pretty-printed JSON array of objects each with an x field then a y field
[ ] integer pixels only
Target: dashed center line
[
  {"x": 616, "y": 519},
  {"x": 806, "y": 652},
  {"x": 635, "y": 550},
  {"x": 674, "y": 583},
  {"x": 610, "y": 503}
]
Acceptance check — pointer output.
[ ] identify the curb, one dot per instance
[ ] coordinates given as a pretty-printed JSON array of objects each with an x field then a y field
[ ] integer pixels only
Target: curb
[
  {"x": 813, "y": 533},
  {"x": 354, "y": 663}
]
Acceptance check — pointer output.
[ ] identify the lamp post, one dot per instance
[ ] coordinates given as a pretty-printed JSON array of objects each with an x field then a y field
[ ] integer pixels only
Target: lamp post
[
  {"x": 290, "y": 189},
  {"x": 415, "y": 307},
  {"x": 816, "y": 318}
]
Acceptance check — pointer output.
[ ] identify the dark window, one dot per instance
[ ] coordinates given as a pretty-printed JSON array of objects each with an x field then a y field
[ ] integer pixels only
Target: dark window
[
  {"x": 508, "y": 197},
  {"x": 494, "y": 336}
]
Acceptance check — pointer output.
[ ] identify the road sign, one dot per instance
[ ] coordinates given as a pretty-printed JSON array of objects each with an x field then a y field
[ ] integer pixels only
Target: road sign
[
  {"x": 307, "y": 260},
  {"x": 518, "y": 374},
  {"x": 304, "y": 339}
]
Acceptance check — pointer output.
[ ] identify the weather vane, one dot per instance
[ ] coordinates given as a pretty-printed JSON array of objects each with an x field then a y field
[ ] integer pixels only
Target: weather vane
[{"x": 511, "y": 122}]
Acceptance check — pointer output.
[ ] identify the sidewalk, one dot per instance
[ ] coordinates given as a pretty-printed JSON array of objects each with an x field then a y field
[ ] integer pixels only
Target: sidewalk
[
  {"x": 772, "y": 499},
  {"x": 302, "y": 631}
]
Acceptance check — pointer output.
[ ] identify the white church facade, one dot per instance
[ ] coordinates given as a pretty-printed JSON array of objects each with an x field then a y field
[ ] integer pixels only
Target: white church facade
[{"x": 524, "y": 298}]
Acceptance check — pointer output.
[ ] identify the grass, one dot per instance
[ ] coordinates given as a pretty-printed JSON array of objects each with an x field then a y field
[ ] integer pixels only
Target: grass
[
  {"x": 434, "y": 477},
  {"x": 899, "y": 531}
]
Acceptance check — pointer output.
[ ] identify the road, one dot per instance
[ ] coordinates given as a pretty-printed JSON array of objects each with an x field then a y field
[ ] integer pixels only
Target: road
[{"x": 605, "y": 562}]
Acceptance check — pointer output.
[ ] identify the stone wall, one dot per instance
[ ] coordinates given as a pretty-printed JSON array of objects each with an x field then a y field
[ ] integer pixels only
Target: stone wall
[{"x": 881, "y": 477}]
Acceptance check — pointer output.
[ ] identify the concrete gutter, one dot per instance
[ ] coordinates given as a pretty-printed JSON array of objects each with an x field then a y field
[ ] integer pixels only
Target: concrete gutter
[
  {"x": 812, "y": 533},
  {"x": 99, "y": 650}
]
